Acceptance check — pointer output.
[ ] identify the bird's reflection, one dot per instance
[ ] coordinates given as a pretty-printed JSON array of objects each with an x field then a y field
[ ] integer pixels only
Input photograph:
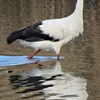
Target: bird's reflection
[{"x": 50, "y": 84}]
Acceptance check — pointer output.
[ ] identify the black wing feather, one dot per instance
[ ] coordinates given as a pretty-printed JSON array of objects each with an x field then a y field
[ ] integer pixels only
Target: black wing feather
[{"x": 31, "y": 33}]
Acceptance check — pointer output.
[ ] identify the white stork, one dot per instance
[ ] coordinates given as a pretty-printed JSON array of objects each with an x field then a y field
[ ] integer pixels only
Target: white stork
[{"x": 51, "y": 34}]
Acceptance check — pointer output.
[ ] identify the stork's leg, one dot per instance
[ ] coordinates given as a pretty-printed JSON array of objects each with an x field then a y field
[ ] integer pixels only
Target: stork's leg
[
  {"x": 58, "y": 57},
  {"x": 32, "y": 55}
]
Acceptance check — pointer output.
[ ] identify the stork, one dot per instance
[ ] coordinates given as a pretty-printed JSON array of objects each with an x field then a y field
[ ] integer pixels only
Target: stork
[{"x": 53, "y": 33}]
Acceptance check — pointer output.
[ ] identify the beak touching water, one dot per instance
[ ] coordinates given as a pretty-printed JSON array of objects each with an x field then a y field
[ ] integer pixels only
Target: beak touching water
[{"x": 93, "y": 4}]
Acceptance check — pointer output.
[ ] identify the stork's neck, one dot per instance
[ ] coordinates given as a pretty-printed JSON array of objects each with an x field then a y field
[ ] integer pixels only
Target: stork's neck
[{"x": 79, "y": 8}]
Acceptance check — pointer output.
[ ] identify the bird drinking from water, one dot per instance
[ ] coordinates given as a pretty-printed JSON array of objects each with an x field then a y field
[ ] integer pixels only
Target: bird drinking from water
[{"x": 51, "y": 34}]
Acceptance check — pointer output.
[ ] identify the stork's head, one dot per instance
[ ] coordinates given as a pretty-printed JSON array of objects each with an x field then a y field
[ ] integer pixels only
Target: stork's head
[{"x": 93, "y": 4}]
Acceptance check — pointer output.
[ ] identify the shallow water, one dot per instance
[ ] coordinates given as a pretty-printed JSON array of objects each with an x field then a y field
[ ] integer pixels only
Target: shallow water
[
  {"x": 82, "y": 55},
  {"x": 21, "y": 60}
]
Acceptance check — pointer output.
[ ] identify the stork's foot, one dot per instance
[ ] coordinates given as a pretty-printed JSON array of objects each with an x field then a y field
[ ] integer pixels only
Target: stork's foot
[
  {"x": 32, "y": 55},
  {"x": 29, "y": 57}
]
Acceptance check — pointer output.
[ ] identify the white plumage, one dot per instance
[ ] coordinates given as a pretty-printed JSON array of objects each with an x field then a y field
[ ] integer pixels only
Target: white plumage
[{"x": 51, "y": 34}]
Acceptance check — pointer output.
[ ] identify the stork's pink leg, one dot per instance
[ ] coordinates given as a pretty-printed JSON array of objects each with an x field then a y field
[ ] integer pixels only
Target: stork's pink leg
[
  {"x": 32, "y": 55},
  {"x": 58, "y": 57}
]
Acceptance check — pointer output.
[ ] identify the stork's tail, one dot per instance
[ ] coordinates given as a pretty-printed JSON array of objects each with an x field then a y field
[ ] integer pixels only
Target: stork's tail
[{"x": 15, "y": 35}]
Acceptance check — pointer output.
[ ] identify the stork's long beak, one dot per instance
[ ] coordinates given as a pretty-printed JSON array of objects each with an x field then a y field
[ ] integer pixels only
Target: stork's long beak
[{"x": 93, "y": 4}]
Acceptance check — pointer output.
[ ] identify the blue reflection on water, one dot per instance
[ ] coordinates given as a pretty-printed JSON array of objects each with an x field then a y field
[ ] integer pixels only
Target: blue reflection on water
[{"x": 19, "y": 60}]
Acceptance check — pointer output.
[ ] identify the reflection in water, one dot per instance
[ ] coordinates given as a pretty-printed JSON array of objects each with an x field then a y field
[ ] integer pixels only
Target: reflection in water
[{"x": 50, "y": 84}]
